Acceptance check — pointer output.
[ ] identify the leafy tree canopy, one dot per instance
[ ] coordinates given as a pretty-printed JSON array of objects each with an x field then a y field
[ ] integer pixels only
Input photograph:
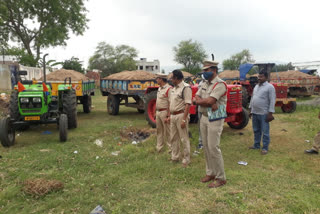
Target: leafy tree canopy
[
  {"x": 73, "y": 64},
  {"x": 110, "y": 59},
  {"x": 38, "y": 24},
  {"x": 190, "y": 54},
  {"x": 237, "y": 59}
]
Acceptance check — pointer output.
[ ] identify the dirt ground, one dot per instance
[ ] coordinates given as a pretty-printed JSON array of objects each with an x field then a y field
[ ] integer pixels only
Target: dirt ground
[{"x": 313, "y": 102}]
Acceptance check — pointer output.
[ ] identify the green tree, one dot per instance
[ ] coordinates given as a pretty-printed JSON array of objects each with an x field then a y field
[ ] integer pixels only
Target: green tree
[
  {"x": 237, "y": 59},
  {"x": 284, "y": 67},
  {"x": 39, "y": 24},
  {"x": 110, "y": 59},
  {"x": 73, "y": 64},
  {"x": 22, "y": 56},
  {"x": 190, "y": 54}
]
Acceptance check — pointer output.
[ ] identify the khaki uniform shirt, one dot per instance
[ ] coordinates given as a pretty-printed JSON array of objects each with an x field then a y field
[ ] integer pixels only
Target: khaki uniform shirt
[
  {"x": 176, "y": 101},
  {"x": 163, "y": 97},
  {"x": 206, "y": 90}
]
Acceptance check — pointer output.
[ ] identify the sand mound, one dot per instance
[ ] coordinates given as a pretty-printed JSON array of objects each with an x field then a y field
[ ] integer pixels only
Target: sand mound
[
  {"x": 290, "y": 75},
  {"x": 185, "y": 74},
  {"x": 226, "y": 74},
  {"x": 131, "y": 75},
  {"x": 60, "y": 75}
]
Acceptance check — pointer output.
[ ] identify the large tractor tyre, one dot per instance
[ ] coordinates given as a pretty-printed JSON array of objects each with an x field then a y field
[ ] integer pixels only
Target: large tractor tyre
[
  {"x": 63, "y": 128},
  {"x": 113, "y": 103},
  {"x": 70, "y": 108},
  {"x": 87, "y": 102},
  {"x": 7, "y": 132},
  {"x": 13, "y": 106},
  {"x": 241, "y": 120},
  {"x": 14, "y": 111},
  {"x": 290, "y": 107},
  {"x": 245, "y": 97},
  {"x": 150, "y": 108}
]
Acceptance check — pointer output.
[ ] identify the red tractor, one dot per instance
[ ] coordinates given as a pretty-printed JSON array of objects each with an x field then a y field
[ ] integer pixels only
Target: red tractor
[
  {"x": 238, "y": 116},
  {"x": 288, "y": 105}
]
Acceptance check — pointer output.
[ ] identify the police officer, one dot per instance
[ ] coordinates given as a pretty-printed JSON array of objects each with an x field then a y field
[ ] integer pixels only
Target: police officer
[
  {"x": 211, "y": 95},
  {"x": 316, "y": 145},
  {"x": 162, "y": 109},
  {"x": 180, "y": 100}
]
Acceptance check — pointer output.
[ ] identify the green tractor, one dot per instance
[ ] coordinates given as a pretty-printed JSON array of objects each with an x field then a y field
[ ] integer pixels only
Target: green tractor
[{"x": 32, "y": 104}]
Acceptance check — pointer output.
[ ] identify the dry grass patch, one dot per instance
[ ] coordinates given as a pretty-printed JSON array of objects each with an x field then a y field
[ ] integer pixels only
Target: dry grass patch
[{"x": 40, "y": 187}]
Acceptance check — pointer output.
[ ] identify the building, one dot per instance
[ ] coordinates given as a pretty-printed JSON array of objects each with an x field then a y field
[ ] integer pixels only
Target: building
[{"x": 153, "y": 67}]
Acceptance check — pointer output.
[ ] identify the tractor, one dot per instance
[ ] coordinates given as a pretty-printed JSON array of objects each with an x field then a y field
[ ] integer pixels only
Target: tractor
[
  {"x": 288, "y": 105},
  {"x": 32, "y": 103}
]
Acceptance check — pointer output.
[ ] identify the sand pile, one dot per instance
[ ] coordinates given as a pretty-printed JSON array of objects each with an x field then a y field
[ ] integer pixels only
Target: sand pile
[
  {"x": 60, "y": 75},
  {"x": 290, "y": 75},
  {"x": 131, "y": 75},
  {"x": 40, "y": 187},
  {"x": 185, "y": 74},
  {"x": 229, "y": 74}
]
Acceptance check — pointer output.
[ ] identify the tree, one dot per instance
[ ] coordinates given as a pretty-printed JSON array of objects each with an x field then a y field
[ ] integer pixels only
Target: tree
[
  {"x": 284, "y": 67},
  {"x": 73, "y": 64},
  {"x": 190, "y": 54},
  {"x": 38, "y": 24},
  {"x": 22, "y": 56},
  {"x": 110, "y": 59},
  {"x": 237, "y": 59}
]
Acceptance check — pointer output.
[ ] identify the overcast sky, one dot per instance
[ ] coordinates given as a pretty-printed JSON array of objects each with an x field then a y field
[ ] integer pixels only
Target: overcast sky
[{"x": 273, "y": 30}]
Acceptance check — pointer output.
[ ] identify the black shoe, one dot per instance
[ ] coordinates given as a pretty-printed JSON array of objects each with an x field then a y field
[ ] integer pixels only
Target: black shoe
[{"x": 311, "y": 151}]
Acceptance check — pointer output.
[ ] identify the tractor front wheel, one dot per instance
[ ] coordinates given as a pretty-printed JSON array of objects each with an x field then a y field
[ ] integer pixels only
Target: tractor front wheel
[
  {"x": 150, "y": 108},
  {"x": 63, "y": 128},
  {"x": 7, "y": 132},
  {"x": 290, "y": 107},
  {"x": 241, "y": 120},
  {"x": 113, "y": 103}
]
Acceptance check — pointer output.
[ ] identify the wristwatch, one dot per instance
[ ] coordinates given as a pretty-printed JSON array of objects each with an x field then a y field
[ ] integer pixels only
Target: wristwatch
[{"x": 183, "y": 121}]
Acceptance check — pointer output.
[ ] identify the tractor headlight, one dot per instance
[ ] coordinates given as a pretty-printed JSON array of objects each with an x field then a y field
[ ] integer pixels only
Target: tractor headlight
[
  {"x": 24, "y": 100},
  {"x": 36, "y": 100}
]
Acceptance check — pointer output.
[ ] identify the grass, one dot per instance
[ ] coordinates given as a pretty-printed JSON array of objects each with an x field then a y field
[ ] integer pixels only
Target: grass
[{"x": 139, "y": 180}]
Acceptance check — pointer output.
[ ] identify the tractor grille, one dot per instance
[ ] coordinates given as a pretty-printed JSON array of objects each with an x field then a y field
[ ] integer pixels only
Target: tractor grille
[
  {"x": 31, "y": 111},
  {"x": 234, "y": 98}
]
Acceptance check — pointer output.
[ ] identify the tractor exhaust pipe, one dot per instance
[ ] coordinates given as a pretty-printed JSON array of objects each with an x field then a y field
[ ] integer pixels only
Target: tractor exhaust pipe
[{"x": 44, "y": 68}]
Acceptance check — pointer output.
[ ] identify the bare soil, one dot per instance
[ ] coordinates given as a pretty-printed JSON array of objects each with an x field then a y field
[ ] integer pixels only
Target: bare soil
[{"x": 136, "y": 134}]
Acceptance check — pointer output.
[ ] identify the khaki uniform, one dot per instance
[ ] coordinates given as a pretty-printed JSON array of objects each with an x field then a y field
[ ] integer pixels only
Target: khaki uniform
[
  {"x": 162, "y": 105},
  {"x": 316, "y": 144},
  {"x": 211, "y": 131},
  {"x": 177, "y": 104}
]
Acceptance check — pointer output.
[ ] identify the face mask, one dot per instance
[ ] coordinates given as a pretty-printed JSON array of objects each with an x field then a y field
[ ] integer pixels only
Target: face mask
[{"x": 207, "y": 75}]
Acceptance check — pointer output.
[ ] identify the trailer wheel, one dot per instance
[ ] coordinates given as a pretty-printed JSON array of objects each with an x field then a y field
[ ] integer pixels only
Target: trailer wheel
[
  {"x": 87, "y": 102},
  {"x": 241, "y": 120},
  {"x": 141, "y": 111},
  {"x": 290, "y": 107},
  {"x": 7, "y": 132},
  {"x": 113, "y": 103},
  {"x": 70, "y": 108},
  {"x": 63, "y": 128},
  {"x": 150, "y": 108}
]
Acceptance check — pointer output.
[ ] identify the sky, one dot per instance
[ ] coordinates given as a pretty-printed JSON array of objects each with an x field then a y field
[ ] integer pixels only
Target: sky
[{"x": 273, "y": 30}]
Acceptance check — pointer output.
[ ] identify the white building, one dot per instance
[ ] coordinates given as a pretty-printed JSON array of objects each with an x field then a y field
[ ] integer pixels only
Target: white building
[{"x": 153, "y": 67}]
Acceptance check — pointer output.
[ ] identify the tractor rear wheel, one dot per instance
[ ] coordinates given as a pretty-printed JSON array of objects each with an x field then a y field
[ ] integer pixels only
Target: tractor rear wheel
[
  {"x": 241, "y": 121},
  {"x": 63, "y": 128},
  {"x": 113, "y": 103},
  {"x": 14, "y": 111},
  {"x": 87, "y": 102},
  {"x": 290, "y": 107},
  {"x": 150, "y": 108},
  {"x": 245, "y": 97},
  {"x": 7, "y": 132},
  {"x": 70, "y": 108}
]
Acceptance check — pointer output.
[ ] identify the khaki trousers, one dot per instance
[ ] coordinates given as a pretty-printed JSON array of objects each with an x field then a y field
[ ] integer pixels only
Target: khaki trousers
[
  {"x": 163, "y": 133},
  {"x": 316, "y": 144},
  {"x": 210, "y": 133},
  {"x": 178, "y": 134}
]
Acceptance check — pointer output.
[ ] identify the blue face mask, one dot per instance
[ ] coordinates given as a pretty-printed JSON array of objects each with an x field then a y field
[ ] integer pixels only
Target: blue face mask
[{"x": 207, "y": 75}]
